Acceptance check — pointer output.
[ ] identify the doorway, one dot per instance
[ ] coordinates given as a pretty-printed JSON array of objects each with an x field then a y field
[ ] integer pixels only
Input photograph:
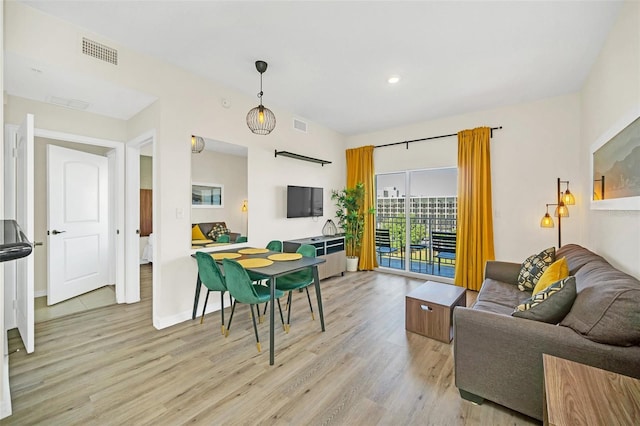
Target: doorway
[{"x": 416, "y": 205}]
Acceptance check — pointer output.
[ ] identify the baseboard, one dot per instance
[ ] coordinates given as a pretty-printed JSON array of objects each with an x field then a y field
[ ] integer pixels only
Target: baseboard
[{"x": 40, "y": 293}]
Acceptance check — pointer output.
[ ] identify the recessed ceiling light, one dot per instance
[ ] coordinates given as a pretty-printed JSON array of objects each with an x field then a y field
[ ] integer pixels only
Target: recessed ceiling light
[{"x": 394, "y": 79}]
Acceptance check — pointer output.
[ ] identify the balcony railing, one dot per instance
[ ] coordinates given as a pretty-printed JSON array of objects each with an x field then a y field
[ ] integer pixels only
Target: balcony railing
[{"x": 416, "y": 255}]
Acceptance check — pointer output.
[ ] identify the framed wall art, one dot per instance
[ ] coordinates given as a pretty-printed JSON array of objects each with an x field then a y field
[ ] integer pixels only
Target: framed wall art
[
  {"x": 615, "y": 166},
  {"x": 210, "y": 195}
]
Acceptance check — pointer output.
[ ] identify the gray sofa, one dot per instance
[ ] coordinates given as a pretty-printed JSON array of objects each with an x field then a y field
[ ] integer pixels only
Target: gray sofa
[{"x": 498, "y": 357}]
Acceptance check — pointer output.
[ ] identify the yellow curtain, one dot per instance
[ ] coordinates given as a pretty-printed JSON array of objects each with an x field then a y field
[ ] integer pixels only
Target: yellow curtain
[
  {"x": 474, "y": 244},
  {"x": 360, "y": 169}
]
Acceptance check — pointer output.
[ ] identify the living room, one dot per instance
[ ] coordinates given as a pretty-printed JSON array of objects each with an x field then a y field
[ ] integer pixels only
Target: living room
[{"x": 541, "y": 139}]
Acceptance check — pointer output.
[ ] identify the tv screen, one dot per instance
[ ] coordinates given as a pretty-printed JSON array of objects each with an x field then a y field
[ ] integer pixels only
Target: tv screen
[{"x": 304, "y": 201}]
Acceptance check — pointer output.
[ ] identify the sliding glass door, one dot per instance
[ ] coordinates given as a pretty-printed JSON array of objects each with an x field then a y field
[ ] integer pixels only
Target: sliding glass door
[{"x": 416, "y": 206}]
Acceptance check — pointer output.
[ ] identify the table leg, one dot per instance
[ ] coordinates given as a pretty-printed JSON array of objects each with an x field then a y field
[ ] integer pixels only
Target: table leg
[
  {"x": 197, "y": 297},
  {"x": 316, "y": 280},
  {"x": 272, "y": 287}
]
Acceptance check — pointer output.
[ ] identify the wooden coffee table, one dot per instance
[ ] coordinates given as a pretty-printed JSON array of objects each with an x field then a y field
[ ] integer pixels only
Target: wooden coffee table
[
  {"x": 575, "y": 393},
  {"x": 429, "y": 309}
]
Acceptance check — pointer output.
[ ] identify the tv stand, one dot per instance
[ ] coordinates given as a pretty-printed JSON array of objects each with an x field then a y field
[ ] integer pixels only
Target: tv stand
[{"x": 329, "y": 248}]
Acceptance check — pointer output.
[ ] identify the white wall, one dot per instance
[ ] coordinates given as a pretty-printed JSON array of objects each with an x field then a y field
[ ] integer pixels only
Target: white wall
[
  {"x": 189, "y": 104},
  {"x": 5, "y": 401},
  {"x": 610, "y": 92},
  {"x": 538, "y": 144}
]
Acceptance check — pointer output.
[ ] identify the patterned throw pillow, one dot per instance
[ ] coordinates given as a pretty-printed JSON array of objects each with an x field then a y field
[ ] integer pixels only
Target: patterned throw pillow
[
  {"x": 217, "y": 230},
  {"x": 550, "y": 305},
  {"x": 533, "y": 268}
]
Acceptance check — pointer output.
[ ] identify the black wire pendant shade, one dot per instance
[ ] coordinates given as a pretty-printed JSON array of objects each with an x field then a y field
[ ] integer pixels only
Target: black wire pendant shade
[{"x": 260, "y": 119}]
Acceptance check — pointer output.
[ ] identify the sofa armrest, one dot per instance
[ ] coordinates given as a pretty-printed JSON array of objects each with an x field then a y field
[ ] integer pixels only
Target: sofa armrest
[
  {"x": 506, "y": 272},
  {"x": 499, "y": 357}
]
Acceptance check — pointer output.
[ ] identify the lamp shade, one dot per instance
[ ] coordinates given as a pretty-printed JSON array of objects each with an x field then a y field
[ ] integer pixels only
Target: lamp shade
[
  {"x": 547, "y": 221},
  {"x": 567, "y": 198},
  {"x": 197, "y": 144},
  {"x": 561, "y": 210},
  {"x": 261, "y": 120}
]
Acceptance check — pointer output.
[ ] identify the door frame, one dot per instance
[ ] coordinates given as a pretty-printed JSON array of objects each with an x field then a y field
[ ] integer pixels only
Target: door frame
[
  {"x": 132, "y": 238},
  {"x": 118, "y": 201}
]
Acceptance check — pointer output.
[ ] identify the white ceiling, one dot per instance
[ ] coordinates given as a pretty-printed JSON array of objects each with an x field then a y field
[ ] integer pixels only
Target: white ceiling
[{"x": 329, "y": 61}]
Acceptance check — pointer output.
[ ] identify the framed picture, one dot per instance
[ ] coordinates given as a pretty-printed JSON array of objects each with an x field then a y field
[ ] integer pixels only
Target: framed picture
[
  {"x": 615, "y": 166},
  {"x": 208, "y": 195}
]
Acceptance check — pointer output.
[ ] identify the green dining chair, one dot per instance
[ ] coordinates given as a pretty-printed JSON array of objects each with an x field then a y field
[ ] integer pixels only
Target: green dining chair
[
  {"x": 244, "y": 291},
  {"x": 241, "y": 239},
  {"x": 297, "y": 280},
  {"x": 224, "y": 238},
  {"x": 212, "y": 278},
  {"x": 275, "y": 245}
]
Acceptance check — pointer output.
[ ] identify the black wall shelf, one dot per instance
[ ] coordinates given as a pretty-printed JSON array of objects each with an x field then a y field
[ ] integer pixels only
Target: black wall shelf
[{"x": 302, "y": 157}]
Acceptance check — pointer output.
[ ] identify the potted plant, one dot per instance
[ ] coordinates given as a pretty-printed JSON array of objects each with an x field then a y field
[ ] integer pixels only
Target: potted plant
[{"x": 350, "y": 216}]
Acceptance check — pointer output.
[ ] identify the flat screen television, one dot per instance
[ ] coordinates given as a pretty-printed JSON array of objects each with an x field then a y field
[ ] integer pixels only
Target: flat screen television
[{"x": 304, "y": 201}]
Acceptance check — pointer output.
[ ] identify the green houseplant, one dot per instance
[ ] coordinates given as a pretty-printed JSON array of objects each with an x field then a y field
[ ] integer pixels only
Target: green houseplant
[{"x": 350, "y": 214}]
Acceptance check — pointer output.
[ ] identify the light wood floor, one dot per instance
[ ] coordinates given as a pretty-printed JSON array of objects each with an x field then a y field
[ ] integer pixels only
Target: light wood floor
[{"x": 110, "y": 366}]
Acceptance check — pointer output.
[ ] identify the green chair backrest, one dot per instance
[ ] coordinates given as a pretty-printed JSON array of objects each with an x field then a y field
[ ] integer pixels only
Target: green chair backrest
[
  {"x": 306, "y": 250},
  {"x": 275, "y": 245},
  {"x": 223, "y": 239},
  {"x": 209, "y": 273},
  {"x": 238, "y": 282},
  {"x": 241, "y": 239}
]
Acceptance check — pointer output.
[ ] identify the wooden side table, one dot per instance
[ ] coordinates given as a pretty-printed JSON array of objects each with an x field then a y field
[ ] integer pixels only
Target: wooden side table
[
  {"x": 578, "y": 394},
  {"x": 429, "y": 309}
]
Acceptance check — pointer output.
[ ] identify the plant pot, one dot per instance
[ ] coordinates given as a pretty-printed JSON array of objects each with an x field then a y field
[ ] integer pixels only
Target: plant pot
[{"x": 352, "y": 263}]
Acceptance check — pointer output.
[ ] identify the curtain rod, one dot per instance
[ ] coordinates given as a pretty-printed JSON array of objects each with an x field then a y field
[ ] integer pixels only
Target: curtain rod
[{"x": 426, "y": 139}]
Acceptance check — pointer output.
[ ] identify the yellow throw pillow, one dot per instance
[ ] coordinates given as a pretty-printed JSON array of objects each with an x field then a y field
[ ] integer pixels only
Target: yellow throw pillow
[
  {"x": 557, "y": 271},
  {"x": 196, "y": 233}
]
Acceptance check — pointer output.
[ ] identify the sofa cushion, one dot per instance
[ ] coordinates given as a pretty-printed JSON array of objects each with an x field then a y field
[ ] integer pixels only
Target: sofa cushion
[
  {"x": 533, "y": 267},
  {"x": 577, "y": 256},
  {"x": 557, "y": 271},
  {"x": 550, "y": 305},
  {"x": 499, "y": 297},
  {"x": 608, "y": 312}
]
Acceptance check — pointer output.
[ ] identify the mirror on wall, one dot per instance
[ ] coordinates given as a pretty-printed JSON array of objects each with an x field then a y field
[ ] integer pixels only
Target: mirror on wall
[{"x": 219, "y": 202}]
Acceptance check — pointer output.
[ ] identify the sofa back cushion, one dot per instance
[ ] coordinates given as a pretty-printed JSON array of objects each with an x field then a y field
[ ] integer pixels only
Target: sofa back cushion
[
  {"x": 607, "y": 307},
  {"x": 577, "y": 256}
]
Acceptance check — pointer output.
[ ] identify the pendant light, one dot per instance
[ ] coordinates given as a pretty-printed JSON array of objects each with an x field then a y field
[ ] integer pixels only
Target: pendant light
[
  {"x": 260, "y": 119},
  {"x": 197, "y": 144}
]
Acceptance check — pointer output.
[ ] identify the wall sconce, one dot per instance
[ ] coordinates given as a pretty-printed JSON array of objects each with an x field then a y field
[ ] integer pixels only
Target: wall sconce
[
  {"x": 563, "y": 199},
  {"x": 260, "y": 119},
  {"x": 600, "y": 196},
  {"x": 197, "y": 144},
  {"x": 244, "y": 207}
]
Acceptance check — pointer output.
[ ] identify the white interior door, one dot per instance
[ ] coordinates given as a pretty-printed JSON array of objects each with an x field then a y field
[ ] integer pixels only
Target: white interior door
[
  {"x": 25, "y": 218},
  {"x": 77, "y": 223}
]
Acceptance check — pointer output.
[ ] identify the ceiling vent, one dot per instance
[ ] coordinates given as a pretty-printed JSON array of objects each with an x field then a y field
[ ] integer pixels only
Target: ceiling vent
[
  {"x": 68, "y": 103},
  {"x": 99, "y": 51},
  {"x": 300, "y": 125}
]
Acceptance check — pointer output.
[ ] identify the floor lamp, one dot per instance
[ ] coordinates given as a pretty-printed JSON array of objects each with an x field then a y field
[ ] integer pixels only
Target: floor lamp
[{"x": 563, "y": 200}]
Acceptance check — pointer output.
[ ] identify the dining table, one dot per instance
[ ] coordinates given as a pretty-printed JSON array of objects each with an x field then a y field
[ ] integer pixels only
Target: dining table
[{"x": 270, "y": 272}]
